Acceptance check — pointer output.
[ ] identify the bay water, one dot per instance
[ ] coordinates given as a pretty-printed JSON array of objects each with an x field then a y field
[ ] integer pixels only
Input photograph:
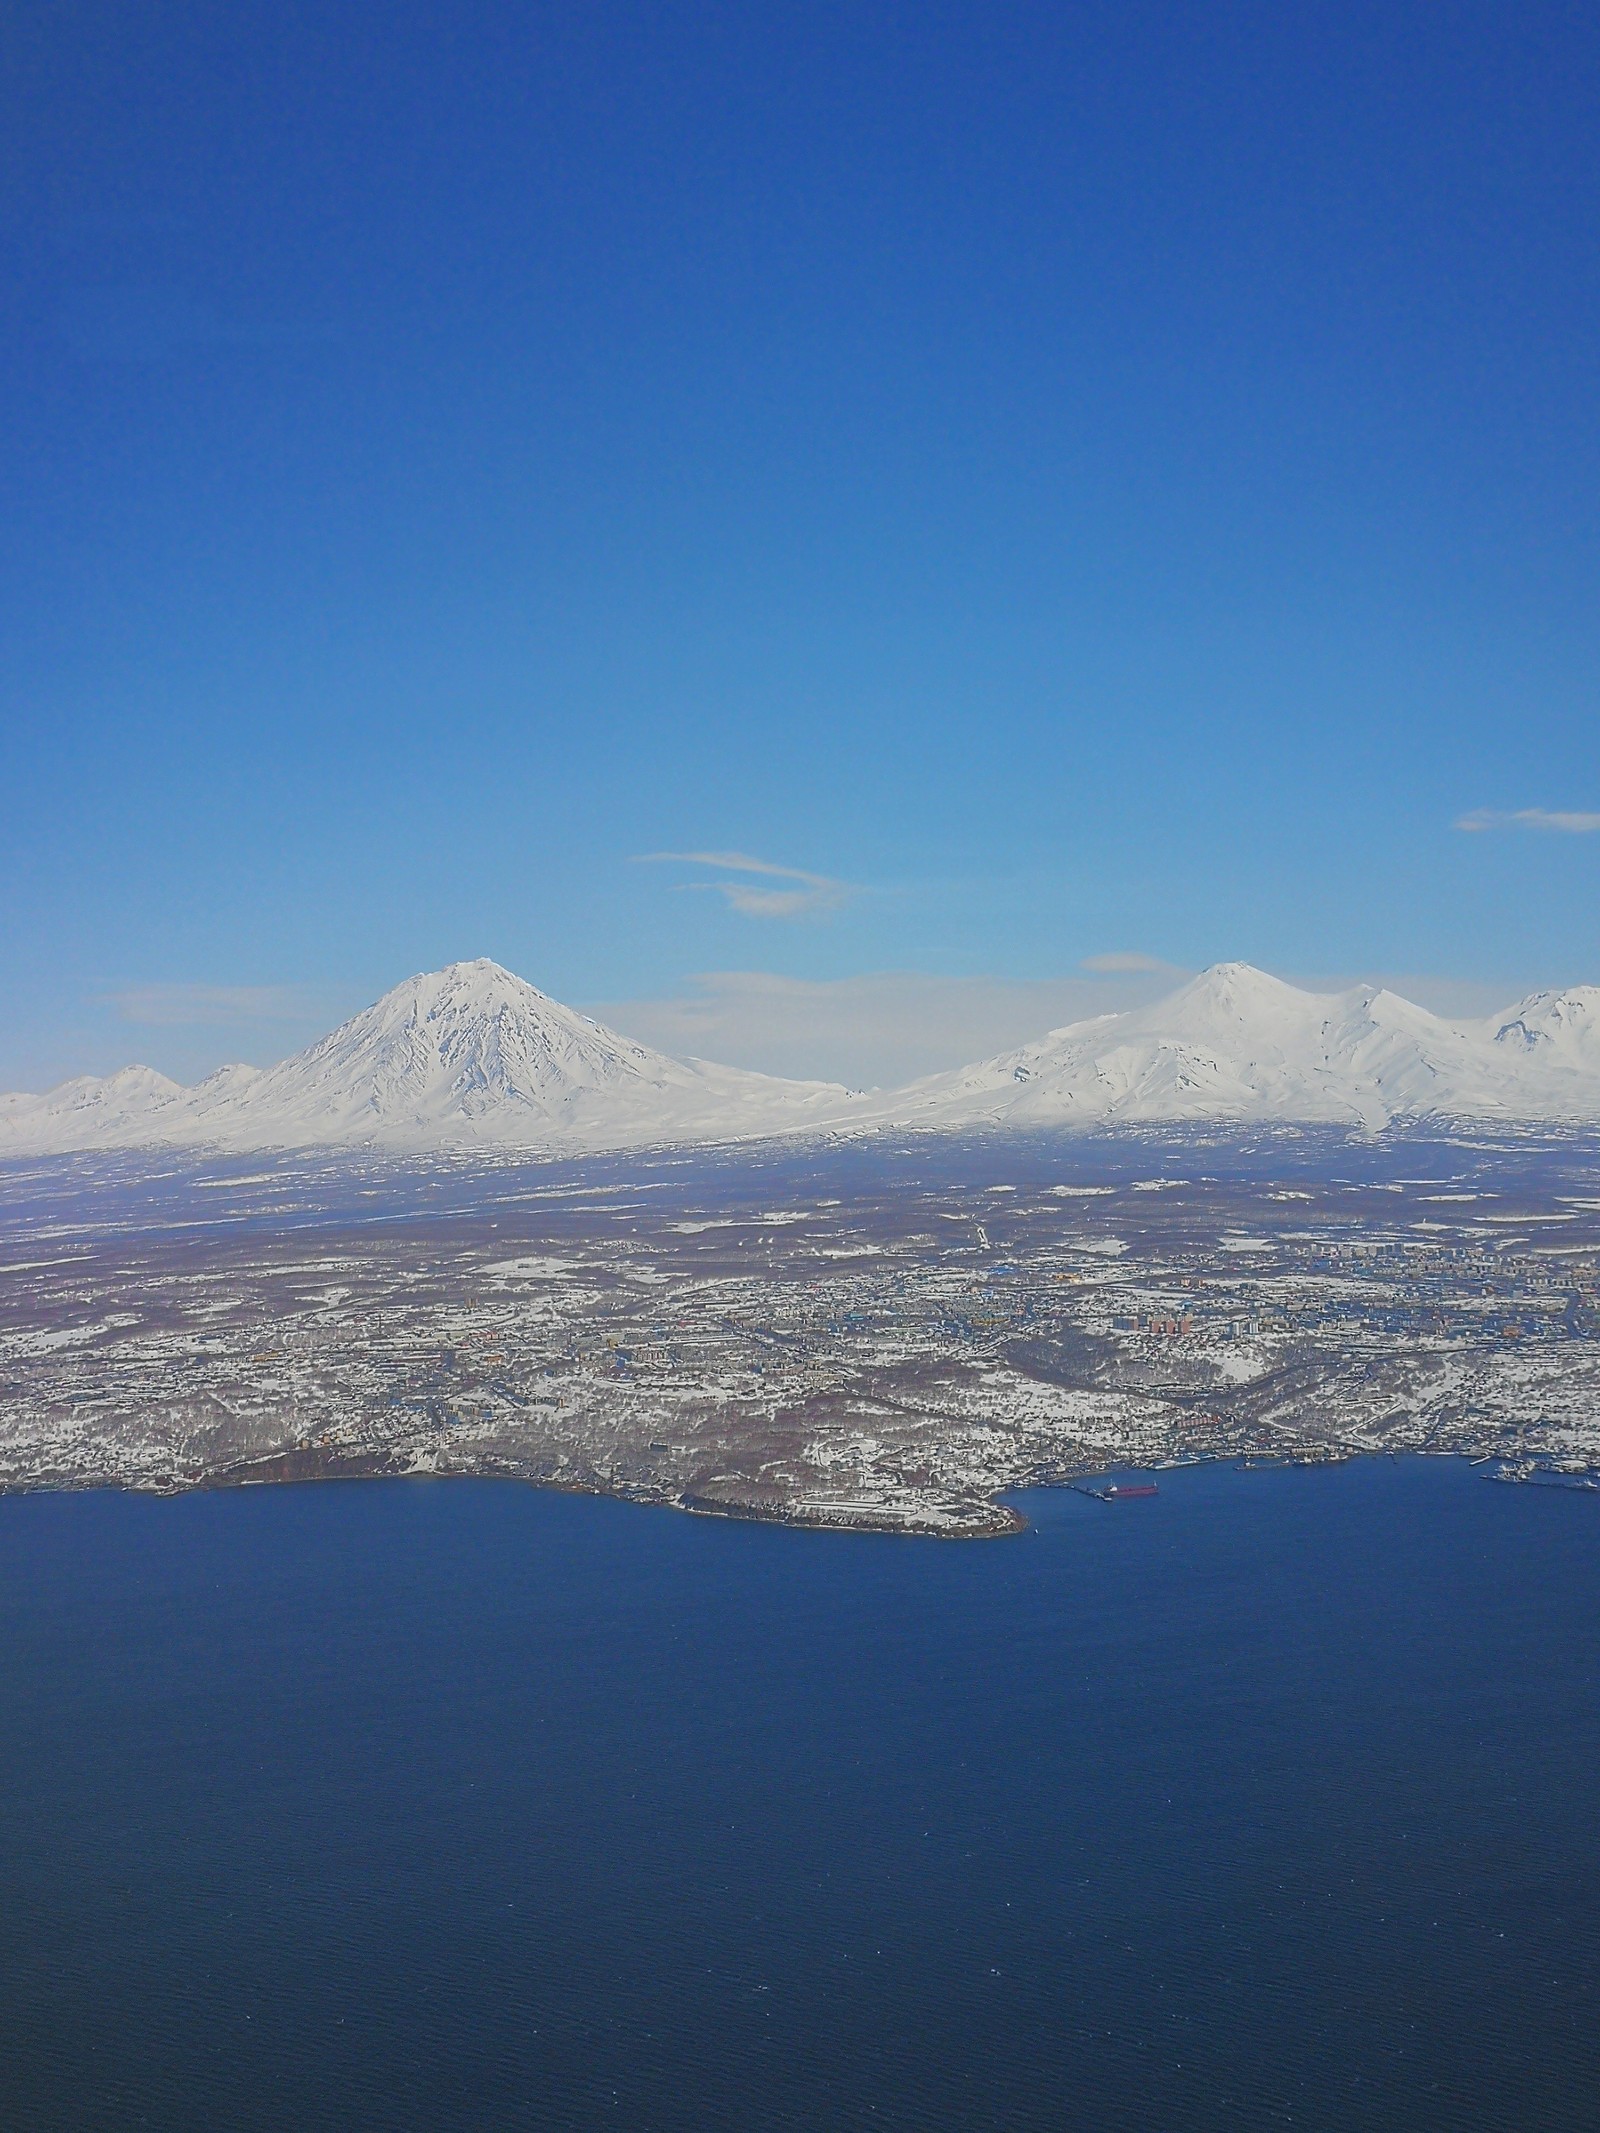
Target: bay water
[{"x": 1272, "y": 1800}]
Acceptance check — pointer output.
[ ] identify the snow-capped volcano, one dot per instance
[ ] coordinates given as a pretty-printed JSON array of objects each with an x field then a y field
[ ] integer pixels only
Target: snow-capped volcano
[
  {"x": 1234, "y": 1043},
  {"x": 472, "y": 1056},
  {"x": 460, "y": 1049},
  {"x": 462, "y": 1057}
]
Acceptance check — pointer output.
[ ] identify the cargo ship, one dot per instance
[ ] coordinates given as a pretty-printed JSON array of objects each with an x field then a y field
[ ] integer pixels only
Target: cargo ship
[{"x": 1130, "y": 1488}]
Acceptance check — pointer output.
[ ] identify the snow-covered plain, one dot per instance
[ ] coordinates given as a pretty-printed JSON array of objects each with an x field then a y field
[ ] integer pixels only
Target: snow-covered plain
[{"x": 472, "y": 1057}]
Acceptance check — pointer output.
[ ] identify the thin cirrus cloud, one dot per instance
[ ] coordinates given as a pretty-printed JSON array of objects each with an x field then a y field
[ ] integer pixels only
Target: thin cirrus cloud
[
  {"x": 808, "y": 897},
  {"x": 195, "y": 1006},
  {"x": 1561, "y": 822}
]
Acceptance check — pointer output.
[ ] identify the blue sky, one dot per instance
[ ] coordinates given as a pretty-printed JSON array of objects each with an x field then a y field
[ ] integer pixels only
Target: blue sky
[{"x": 1066, "y": 481}]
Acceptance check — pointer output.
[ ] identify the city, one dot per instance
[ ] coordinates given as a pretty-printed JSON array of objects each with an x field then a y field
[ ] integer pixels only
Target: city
[{"x": 891, "y": 1336}]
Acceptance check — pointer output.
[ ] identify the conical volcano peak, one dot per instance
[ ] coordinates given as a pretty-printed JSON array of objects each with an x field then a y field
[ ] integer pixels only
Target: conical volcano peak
[
  {"x": 481, "y": 981},
  {"x": 463, "y": 1042},
  {"x": 470, "y": 1055},
  {"x": 481, "y": 970},
  {"x": 1233, "y": 996},
  {"x": 1240, "y": 984}
]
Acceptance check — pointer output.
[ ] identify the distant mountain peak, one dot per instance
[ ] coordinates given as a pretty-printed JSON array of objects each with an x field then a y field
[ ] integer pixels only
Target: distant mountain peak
[
  {"x": 1236, "y": 1043},
  {"x": 1562, "y": 1026},
  {"x": 467, "y": 1056},
  {"x": 472, "y": 1056},
  {"x": 1236, "y": 977}
]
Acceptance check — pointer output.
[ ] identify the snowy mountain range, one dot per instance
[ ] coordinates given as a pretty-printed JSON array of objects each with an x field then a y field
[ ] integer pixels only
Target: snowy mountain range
[
  {"x": 465, "y": 1057},
  {"x": 1235, "y": 1043},
  {"x": 472, "y": 1057}
]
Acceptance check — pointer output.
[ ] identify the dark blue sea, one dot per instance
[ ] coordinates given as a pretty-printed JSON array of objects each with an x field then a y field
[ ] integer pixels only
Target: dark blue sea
[{"x": 1272, "y": 1801}]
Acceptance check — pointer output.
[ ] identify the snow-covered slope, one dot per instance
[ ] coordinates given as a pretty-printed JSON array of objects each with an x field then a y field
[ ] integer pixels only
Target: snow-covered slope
[
  {"x": 1560, "y": 1029},
  {"x": 463, "y": 1057},
  {"x": 91, "y": 1111},
  {"x": 1235, "y": 1043},
  {"x": 473, "y": 1057}
]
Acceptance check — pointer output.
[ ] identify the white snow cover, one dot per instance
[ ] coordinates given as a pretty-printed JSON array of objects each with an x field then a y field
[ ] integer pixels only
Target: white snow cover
[
  {"x": 89, "y": 1111},
  {"x": 471, "y": 1056},
  {"x": 1560, "y": 1028},
  {"x": 1235, "y": 1043}
]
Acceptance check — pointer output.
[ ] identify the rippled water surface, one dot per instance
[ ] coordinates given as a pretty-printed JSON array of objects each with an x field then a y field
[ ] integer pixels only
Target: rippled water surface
[{"x": 1272, "y": 1801}]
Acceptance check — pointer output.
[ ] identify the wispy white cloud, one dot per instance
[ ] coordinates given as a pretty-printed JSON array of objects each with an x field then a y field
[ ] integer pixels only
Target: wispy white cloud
[
  {"x": 1129, "y": 962},
  {"x": 811, "y": 894},
  {"x": 191, "y": 1006},
  {"x": 1564, "y": 822}
]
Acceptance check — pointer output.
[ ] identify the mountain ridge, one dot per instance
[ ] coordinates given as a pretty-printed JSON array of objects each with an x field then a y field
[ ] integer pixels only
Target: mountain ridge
[
  {"x": 1235, "y": 1043},
  {"x": 472, "y": 1056}
]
